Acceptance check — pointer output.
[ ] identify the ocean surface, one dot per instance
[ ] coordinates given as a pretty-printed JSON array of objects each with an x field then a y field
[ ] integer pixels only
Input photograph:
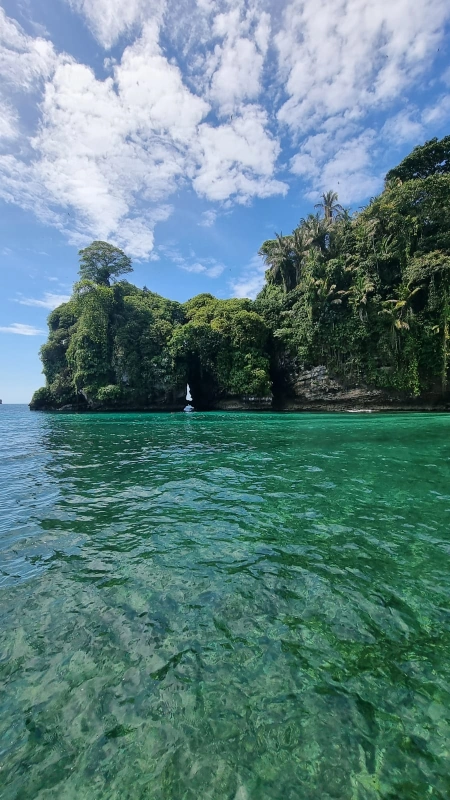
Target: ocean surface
[{"x": 224, "y": 606}]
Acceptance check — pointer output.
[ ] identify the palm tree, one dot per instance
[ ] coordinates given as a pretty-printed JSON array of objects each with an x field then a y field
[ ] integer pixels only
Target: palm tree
[
  {"x": 314, "y": 230},
  {"x": 299, "y": 250},
  {"x": 277, "y": 254},
  {"x": 345, "y": 215},
  {"x": 399, "y": 312},
  {"x": 359, "y": 292},
  {"x": 330, "y": 206}
]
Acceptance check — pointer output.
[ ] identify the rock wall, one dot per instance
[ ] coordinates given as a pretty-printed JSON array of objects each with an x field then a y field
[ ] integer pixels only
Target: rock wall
[
  {"x": 244, "y": 404},
  {"x": 316, "y": 390},
  {"x": 304, "y": 390}
]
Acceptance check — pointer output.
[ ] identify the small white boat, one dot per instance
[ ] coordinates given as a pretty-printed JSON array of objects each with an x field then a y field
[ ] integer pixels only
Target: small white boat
[{"x": 188, "y": 398}]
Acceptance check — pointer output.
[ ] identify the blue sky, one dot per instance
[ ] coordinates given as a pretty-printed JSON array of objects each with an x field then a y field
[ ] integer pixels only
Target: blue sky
[{"x": 187, "y": 133}]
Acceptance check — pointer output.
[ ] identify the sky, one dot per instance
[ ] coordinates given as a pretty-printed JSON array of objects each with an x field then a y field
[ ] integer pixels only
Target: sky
[{"x": 187, "y": 133}]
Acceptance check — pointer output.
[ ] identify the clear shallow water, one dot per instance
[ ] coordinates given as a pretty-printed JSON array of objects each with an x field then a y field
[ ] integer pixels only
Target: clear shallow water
[{"x": 224, "y": 606}]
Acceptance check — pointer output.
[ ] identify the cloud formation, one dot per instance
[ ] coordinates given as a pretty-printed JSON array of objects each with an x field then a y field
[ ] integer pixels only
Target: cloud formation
[
  {"x": 251, "y": 281},
  {"x": 109, "y": 153},
  {"x": 233, "y": 99},
  {"x": 50, "y": 300},
  {"x": 24, "y": 60},
  {"x": 208, "y": 267},
  {"x": 208, "y": 218},
  {"x": 21, "y": 329},
  {"x": 110, "y": 19}
]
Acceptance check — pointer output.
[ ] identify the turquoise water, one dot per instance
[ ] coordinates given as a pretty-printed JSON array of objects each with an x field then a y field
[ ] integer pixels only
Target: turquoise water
[{"x": 224, "y": 606}]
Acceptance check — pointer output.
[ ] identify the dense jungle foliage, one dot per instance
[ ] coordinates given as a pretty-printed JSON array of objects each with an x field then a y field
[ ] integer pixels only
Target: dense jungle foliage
[
  {"x": 118, "y": 345},
  {"x": 365, "y": 294},
  {"x": 368, "y": 294}
]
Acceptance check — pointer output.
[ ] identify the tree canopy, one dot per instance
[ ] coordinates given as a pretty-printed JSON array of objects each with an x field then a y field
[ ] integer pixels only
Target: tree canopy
[
  {"x": 101, "y": 262},
  {"x": 368, "y": 294},
  {"x": 431, "y": 158}
]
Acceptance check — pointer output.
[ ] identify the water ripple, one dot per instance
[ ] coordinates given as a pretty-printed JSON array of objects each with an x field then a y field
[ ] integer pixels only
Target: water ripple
[{"x": 224, "y": 606}]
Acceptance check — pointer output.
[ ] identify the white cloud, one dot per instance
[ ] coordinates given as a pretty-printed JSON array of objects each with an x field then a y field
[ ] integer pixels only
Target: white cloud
[
  {"x": 21, "y": 329},
  {"x": 24, "y": 60},
  {"x": 208, "y": 218},
  {"x": 351, "y": 55},
  {"x": 106, "y": 156},
  {"x": 341, "y": 60},
  {"x": 200, "y": 269},
  {"x": 50, "y": 300},
  {"x": 109, "y": 19},
  {"x": 195, "y": 268},
  {"x": 103, "y": 146},
  {"x": 344, "y": 168},
  {"x": 108, "y": 153},
  {"x": 236, "y": 65},
  {"x": 350, "y": 170},
  {"x": 410, "y": 125},
  {"x": 208, "y": 267},
  {"x": 238, "y": 159},
  {"x": 8, "y": 122},
  {"x": 438, "y": 113},
  {"x": 404, "y": 127},
  {"x": 250, "y": 283}
]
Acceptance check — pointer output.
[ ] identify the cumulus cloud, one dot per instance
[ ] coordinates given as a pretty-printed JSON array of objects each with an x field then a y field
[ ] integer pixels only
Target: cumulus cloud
[
  {"x": 345, "y": 167},
  {"x": 347, "y": 56},
  {"x": 108, "y": 153},
  {"x": 236, "y": 65},
  {"x": 50, "y": 300},
  {"x": 110, "y": 19},
  {"x": 209, "y": 108},
  {"x": 338, "y": 62},
  {"x": 237, "y": 159},
  {"x": 21, "y": 329}
]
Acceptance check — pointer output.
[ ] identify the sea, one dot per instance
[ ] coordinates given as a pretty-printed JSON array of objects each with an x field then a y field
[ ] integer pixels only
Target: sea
[{"x": 224, "y": 606}]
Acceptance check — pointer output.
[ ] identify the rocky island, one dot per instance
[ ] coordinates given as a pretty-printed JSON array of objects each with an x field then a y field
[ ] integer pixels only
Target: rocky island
[{"x": 354, "y": 315}]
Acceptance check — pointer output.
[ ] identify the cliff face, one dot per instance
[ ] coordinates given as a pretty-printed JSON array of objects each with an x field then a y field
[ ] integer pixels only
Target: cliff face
[
  {"x": 316, "y": 390},
  {"x": 309, "y": 390},
  {"x": 176, "y": 402}
]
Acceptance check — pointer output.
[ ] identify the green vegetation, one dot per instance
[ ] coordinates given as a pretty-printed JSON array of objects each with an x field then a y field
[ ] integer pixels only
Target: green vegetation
[
  {"x": 367, "y": 295},
  {"x": 120, "y": 346},
  {"x": 101, "y": 262}
]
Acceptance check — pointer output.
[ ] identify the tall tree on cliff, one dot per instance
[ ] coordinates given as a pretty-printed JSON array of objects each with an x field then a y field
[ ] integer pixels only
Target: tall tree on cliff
[{"x": 101, "y": 262}]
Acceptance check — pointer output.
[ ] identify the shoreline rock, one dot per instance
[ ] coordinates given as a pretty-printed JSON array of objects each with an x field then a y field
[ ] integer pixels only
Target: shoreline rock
[{"x": 310, "y": 390}]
